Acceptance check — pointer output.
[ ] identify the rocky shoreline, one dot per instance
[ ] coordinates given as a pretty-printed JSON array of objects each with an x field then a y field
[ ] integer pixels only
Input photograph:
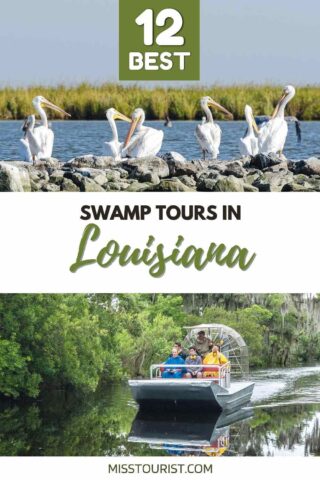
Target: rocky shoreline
[{"x": 169, "y": 173}]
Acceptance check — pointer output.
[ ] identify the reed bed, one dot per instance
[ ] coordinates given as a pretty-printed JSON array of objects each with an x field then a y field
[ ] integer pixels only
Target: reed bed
[{"x": 87, "y": 102}]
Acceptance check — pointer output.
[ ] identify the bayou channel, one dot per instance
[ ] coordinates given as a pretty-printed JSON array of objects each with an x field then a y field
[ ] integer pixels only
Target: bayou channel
[{"x": 283, "y": 419}]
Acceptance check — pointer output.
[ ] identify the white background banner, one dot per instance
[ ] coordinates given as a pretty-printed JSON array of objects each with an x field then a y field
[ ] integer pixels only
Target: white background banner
[
  {"x": 41, "y": 234},
  {"x": 97, "y": 468}
]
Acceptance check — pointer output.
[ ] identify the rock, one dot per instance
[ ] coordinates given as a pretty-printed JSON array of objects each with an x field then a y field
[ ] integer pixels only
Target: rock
[
  {"x": 234, "y": 168},
  {"x": 68, "y": 186},
  {"x": 112, "y": 187},
  {"x": 295, "y": 187},
  {"x": 222, "y": 184},
  {"x": 206, "y": 184},
  {"x": 262, "y": 161},
  {"x": 50, "y": 187},
  {"x": 48, "y": 163},
  {"x": 56, "y": 177},
  {"x": 177, "y": 168},
  {"x": 303, "y": 183},
  {"x": 229, "y": 184},
  {"x": 150, "y": 177},
  {"x": 115, "y": 175},
  {"x": 217, "y": 165},
  {"x": 307, "y": 167},
  {"x": 273, "y": 181},
  {"x": 75, "y": 177},
  {"x": 91, "y": 161},
  {"x": 101, "y": 179},
  {"x": 247, "y": 187},
  {"x": 116, "y": 186},
  {"x": 172, "y": 185},
  {"x": 188, "y": 181},
  {"x": 252, "y": 176},
  {"x": 13, "y": 178},
  {"x": 282, "y": 166},
  {"x": 89, "y": 185},
  {"x": 139, "y": 187},
  {"x": 139, "y": 166},
  {"x": 35, "y": 186},
  {"x": 207, "y": 180},
  {"x": 38, "y": 177},
  {"x": 123, "y": 173},
  {"x": 97, "y": 174},
  {"x": 87, "y": 171},
  {"x": 173, "y": 157}
]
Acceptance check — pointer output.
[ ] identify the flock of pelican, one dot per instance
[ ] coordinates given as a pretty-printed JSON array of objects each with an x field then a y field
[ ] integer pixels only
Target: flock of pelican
[{"x": 142, "y": 141}]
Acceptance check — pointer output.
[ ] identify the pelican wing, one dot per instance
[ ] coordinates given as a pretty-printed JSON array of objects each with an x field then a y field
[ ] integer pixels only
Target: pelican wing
[
  {"x": 24, "y": 149},
  {"x": 261, "y": 120},
  {"x": 45, "y": 139},
  {"x": 113, "y": 149},
  {"x": 146, "y": 142},
  {"x": 272, "y": 136},
  {"x": 248, "y": 145},
  {"x": 209, "y": 138}
]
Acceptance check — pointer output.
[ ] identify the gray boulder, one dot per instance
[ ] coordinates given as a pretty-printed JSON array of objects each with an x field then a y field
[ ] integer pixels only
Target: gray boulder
[
  {"x": 262, "y": 161},
  {"x": 13, "y": 178},
  {"x": 311, "y": 166},
  {"x": 91, "y": 161},
  {"x": 138, "y": 167},
  {"x": 171, "y": 185},
  {"x": 68, "y": 186},
  {"x": 173, "y": 157},
  {"x": 89, "y": 185}
]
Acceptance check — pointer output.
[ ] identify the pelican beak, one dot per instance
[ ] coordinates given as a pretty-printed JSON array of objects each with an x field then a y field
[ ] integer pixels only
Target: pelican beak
[
  {"x": 221, "y": 108},
  {"x": 255, "y": 126},
  {"x": 120, "y": 116},
  {"x": 48, "y": 104},
  {"x": 132, "y": 128},
  {"x": 278, "y": 105}
]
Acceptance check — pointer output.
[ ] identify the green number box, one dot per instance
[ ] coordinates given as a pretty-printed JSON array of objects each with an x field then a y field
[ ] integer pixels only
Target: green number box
[{"x": 159, "y": 39}]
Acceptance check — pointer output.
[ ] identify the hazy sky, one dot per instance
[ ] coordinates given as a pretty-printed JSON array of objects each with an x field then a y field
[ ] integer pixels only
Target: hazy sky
[{"x": 69, "y": 41}]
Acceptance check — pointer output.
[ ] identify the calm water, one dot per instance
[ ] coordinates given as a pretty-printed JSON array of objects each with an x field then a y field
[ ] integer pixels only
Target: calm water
[
  {"x": 74, "y": 138},
  {"x": 284, "y": 419}
]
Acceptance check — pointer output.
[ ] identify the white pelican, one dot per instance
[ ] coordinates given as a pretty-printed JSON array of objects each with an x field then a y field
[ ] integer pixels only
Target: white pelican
[
  {"x": 273, "y": 134},
  {"x": 43, "y": 137},
  {"x": 28, "y": 140},
  {"x": 141, "y": 141},
  {"x": 261, "y": 120},
  {"x": 114, "y": 147},
  {"x": 249, "y": 143},
  {"x": 209, "y": 133}
]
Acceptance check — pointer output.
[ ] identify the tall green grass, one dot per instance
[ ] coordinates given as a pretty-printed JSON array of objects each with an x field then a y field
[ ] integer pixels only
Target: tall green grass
[{"x": 90, "y": 102}]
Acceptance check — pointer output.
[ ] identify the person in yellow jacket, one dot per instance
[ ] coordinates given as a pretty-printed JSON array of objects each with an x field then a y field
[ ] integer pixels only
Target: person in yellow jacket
[{"x": 213, "y": 358}]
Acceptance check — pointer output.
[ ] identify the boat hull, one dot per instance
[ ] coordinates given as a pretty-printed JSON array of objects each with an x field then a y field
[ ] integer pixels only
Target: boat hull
[{"x": 189, "y": 394}]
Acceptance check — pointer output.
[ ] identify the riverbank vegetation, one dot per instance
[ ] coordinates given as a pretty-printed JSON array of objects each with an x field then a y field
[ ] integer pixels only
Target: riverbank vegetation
[
  {"x": 88, "y": 102},
  {"x": 83, "y": 340}
]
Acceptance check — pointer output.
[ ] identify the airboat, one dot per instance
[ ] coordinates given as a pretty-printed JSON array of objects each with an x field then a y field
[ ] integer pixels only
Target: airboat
[{"x": 228, "y": 390}]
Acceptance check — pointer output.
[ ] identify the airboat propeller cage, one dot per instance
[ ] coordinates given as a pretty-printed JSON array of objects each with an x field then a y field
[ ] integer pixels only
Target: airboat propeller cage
[{"x": 230, "y": 342}]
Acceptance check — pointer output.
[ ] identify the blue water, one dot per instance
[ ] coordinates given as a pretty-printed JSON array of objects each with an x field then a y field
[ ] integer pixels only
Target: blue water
[{"x": 74, "y": 138}]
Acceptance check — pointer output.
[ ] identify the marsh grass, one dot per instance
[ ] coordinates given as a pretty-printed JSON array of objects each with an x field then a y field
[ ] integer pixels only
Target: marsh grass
[{"x": 87, "y": 102}]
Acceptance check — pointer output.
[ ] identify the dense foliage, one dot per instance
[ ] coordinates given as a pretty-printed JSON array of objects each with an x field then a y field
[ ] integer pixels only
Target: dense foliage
[
  {"x": 81, "y": 340},
  {"x": 90, "y": 102}
]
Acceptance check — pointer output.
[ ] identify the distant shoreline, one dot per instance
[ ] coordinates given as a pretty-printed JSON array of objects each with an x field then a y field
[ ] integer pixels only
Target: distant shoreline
[{"x": 89, "y": 102}]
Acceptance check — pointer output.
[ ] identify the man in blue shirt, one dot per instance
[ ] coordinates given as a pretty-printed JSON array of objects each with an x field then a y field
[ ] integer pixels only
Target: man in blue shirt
[{"x": 174, "y": 359}]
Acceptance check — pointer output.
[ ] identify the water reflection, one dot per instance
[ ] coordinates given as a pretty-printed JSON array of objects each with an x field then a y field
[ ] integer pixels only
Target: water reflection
[
  {"x": 180, "y": 434},
  {"x": 284, "y": 420}
]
